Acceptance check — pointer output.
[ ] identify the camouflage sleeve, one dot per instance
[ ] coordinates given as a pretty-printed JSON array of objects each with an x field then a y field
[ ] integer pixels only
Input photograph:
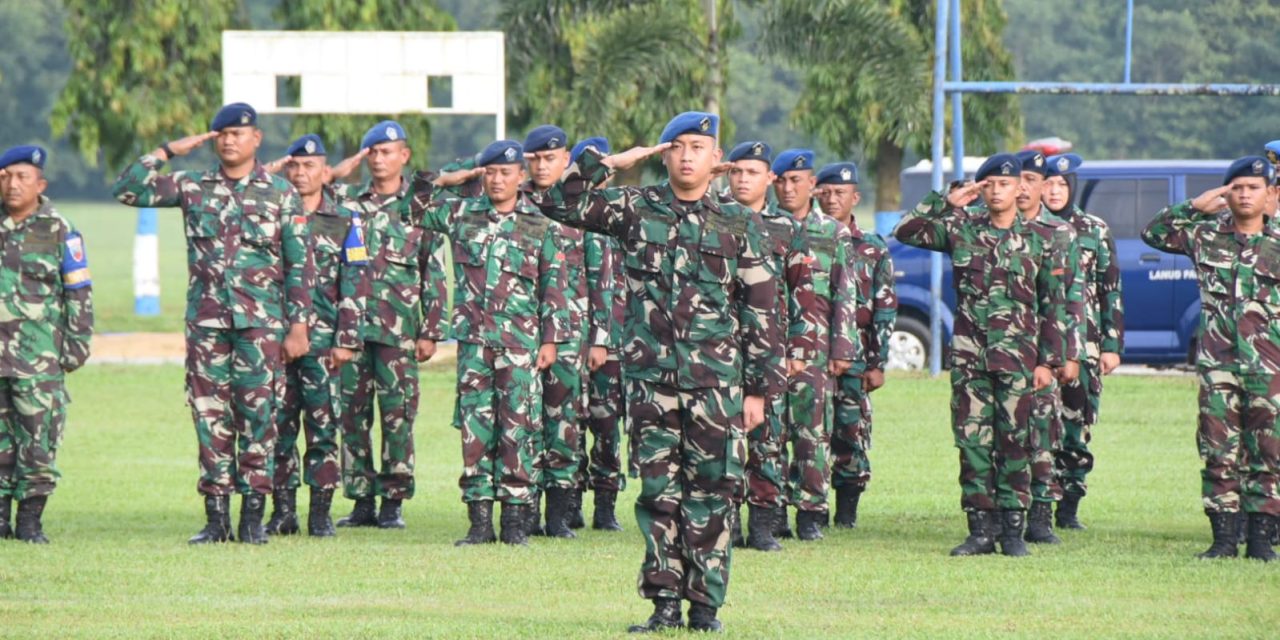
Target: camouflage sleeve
[
  {"x": 435, "y": 285},
  {"x": 926, "y": 226},
  {"x": 77, "y": 322},
  {"x": 354, "y": 288},
  {"x": 802, "y": 335},
  {"x": 553, "y": 281},
  {"x": 576, "y": 202},
  {"x": 845, "y": 343},
  {"x": 1111, "y": 322},
  {"x": 884, "y": 312},
  {"x": 1051, "y": 295},
  {"x": 431, "y": 207},
  {"x": 600, "y": 286},
  {"x": 1170, "y": 230},
  {"x": 1074, "y": 326},
  {"x": 142, "y": 185},
  {"x": 299, "y": 262},
  {"x": 755, "y": 296}
]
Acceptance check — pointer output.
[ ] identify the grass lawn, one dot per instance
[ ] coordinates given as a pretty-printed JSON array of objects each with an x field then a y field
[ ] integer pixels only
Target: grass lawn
[{"x": 119, "y": 565}]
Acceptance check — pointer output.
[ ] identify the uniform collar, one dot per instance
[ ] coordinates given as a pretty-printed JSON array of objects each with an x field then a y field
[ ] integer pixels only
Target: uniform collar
[
  {"x": 366, "y": 189},
  {"x": 43, "y": 210}
]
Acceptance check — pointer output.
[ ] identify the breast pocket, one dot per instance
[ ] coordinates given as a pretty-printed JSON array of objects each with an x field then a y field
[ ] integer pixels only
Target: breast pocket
[
  {"x": 1215, "y": 266},
  {"x": 40, "y": 273},
  {"x": 402, "y": 246},
  {"x": 1266, "y": 284},
  {"x": 969, "y": 265},
  {"x": 717, "y": 255},
  {"x": 261, "y": 230},
  {"x": 647, "y": 245},
  {"x": 204, "y": 221}
]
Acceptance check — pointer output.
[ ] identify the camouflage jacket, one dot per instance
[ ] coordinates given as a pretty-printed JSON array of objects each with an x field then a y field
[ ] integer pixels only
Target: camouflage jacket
[
  {"x": 46, "y": 308},
  {"x": 248, "y": 258},
  {"x": 788, "y": 262},
  {"x": 1008, "y": 287},
  {"x": 701, "y": 304},
  {"x": 1100, "y": 266},
  {"x": 342, "y": 284},
  {"x": 617, "y": 312},
  {"x": 1064, "y": 240},
  {"x": 1239, "y": 280},
  {"x": 406, "y": 266},
  {"x": 834, "y": 312},
  {"x": 588, "y": 267},
  {"x": 877, "y": 301},
  {"x": 509, "y": 270}
]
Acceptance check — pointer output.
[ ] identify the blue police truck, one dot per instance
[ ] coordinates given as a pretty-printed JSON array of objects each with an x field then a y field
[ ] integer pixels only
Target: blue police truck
[{"x": 1162, "y": 304}]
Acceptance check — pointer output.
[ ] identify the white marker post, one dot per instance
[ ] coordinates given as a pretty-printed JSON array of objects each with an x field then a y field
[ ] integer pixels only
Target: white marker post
[{"x": 146, "y": 265}]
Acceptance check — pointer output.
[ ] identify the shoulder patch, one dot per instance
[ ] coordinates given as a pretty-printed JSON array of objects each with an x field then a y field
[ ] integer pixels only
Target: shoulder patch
[{"x": 75, "y": 263}]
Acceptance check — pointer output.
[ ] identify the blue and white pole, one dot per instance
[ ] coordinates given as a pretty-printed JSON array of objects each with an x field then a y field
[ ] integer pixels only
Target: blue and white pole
[{"x": 146, "y": 265}]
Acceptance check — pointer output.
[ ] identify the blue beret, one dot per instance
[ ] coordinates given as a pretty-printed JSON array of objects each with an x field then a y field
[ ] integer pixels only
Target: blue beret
[
  {"x": 385, "y": 131},
  {"x": 308, "y": 145},
  {"x": 1250, "y": 167},
  {"x": 1033, "y": 161},
  {"x": 752, "y": 150},
  {"x": 501, "y": 152},
  {"x": 599, "y": 144},
  {"x": 793, "y": 160},
  {"x": 236, "y": 114},
  {"x": 707, "y": 124},
  {"x": 839, "y": 173},
  {"x": 1001, "y": 164},
  {"x": 26, "y": 154},
  {"x": 546, "y": 138},
  {"x": 1064, "y": 163}
]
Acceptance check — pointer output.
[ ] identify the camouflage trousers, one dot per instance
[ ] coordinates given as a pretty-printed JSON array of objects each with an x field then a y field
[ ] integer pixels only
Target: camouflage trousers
[
  {"x": 234, "y": 381},
  {"x": 809, "y": 432},
  {"x": 691, "y": 454},
  {"x": 564, "y": 408},
  {"x": 766, "y": 468},
  {"x": 312, "y": 400},
  {"x": 1080, "y": 401},
  {"x": 991, "y": 422},
  {"x": 390, "y": 374},
  {"x": 851, "y": 434},
  {"x": 32, "y": 418},
  {"x": 602, "y": 469},
  {"x": 1239, "y": 441},
  {"x": 1046, "y": 434},
  {"x": 498, "y": 410}
]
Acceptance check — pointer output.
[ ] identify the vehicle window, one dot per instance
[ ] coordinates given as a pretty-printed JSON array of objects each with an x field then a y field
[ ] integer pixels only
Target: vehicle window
[
  {"x": 1126, "y": 204},
  {"x": 1198, "y": 183}
]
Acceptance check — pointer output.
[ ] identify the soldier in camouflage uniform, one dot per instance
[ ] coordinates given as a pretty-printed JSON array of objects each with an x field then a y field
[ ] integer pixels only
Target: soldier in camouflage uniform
[
  {"x": 510, "y": 317},
  {"x": 1237, "y": 257},
  {"x": 877, "y": 312},
  {"x": 587, "y": 264},
  {"x": 404, "y": 318},
  {"x": 46, "y": 322},
  {"x": 834, "y": 316},
  {"x": 313, "y": 383},
  {"x": 1104, "y": 334},
  {"x": 251, "y": 276},
  {"x": 700, "y": 339},
  {"x": 788, "y": 263},
  {"x": 602, "y": 468},
  {"x": 1047, "y": 416},
  {"x": 1008, "y": 283}
]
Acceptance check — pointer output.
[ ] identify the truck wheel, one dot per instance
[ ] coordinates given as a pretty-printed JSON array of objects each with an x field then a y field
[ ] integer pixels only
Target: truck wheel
[{"x": 909, "y": 345}]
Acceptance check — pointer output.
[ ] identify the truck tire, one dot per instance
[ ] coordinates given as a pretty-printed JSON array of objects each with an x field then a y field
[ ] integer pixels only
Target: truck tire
[{"x": 909, "y": 345}]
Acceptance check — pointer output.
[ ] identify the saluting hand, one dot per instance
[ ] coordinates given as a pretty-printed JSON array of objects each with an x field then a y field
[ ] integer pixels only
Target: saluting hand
[
  {"x": 183, "y": 146},
  {"x": 455, "y": 178},
  {"x": 965, "y": 194},
  {"x": 631, "y": 157},
  {"x": 276, "y": 165},
  {"x": 1213, "y": 200},
  {"x": 347, "y": 166}
]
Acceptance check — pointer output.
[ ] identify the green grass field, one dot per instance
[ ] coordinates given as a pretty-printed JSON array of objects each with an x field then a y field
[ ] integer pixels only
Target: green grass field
[{"x": 119, "y": 565}]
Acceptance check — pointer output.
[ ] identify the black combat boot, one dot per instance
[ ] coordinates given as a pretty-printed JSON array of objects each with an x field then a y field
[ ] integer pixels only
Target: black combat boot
[
  {"x": 1040, "y": 524},
  {"x": 703, "y": 617},
  {"x": 252, "y": 507},
  {"x": 847, "y": 506},
  {"x": 217, "y": 512},
  {"x": 1013, "y": 522},
  {"x": 1225, "y": 530},
  {"x": 574, "y": 518},
  {"x": 1242, "y": 528},
  {"x": 604, "y": 519},
  {"x": 28, "y": 527},
  {"x": 981, "y": 540},
  {"x": 284, "y": 513},
  {"x": 390, "y": 515},
  {"x": 534, "y": 525},
  {"x": 559, "y": 501},
  {"x": 6, "y": 529},
  {"x": 666, "y": 615},
  {"x": 362, "y": 514},
  {"x": 1262, "y": 527},
  {"x": 808, "y": 525},
  {"x": 1065, "y": 518},
  {"x": 760, "y": 529},
  {"x": 733, "y": 522},
  {"x": 780, "y": 527},
  {"x": 515, "y": 523},
  {"x": 480, "y": 513},
  {"x": 319, "y": 524}
]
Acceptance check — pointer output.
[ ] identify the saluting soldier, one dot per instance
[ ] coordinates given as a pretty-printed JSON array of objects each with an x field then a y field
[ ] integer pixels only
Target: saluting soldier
[{"x": 46, "y": 323}]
